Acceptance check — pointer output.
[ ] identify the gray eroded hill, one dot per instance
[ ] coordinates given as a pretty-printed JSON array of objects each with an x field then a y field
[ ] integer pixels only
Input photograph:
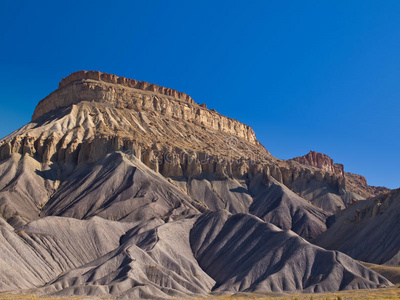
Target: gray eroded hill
[
  {"x": 155, "y": 263},
  {"x": 275, "y": 203},
  {"x": 119, "y": 187},
  {"x": 368, "y": 230},
  {"x": 242, "y": 253},
  {"x": 93, "y": 114},
  {"x": 126, "y": 189},
  {"x": 214, "y": 252},
  {"x": 25, "y": 186},
  {"x": 45, "y": 248}
]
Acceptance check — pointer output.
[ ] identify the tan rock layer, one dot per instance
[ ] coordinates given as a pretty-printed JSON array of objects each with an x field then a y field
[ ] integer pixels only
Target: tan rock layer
[
  {"x": 132, "y": 83},
  {"x": 355, "y": 183},
  {"x": 173, "y": 163},
  {"x": 77, "y": 89},
  {"x": 359, "y": 185}
]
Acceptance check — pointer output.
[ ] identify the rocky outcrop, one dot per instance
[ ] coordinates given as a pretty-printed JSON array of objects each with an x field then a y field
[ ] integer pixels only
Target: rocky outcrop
[
  {"x": 93, "y": 114},
  {"x": 132, "y": 83},
  {"x": 321, "y": 161},
  {"x": 120, "y": 92},
  {"x": 359, "y": 185},
  {"x": 192, "y": 192},
  {"x": 350, "y": 187}
]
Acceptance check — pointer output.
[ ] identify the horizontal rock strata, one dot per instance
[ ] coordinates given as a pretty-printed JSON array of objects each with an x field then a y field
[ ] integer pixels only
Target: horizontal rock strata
[{"x": 106, "y": 88}]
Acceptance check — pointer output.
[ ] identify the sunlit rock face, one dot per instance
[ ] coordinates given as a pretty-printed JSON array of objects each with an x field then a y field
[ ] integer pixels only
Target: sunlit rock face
[
  {"x": 321, "y": 161},
  {"x": 125, "y": 189},
  {"x": 120, "y": 92},
  {"x": 93, "y": 114}
]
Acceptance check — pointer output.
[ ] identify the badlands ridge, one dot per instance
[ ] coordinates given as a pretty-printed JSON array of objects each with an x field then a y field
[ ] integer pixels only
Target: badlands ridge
[{"x": 122, "y": 188}]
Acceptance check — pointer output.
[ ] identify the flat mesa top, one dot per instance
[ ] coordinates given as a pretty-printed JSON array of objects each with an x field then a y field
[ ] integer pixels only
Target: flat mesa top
[
  {"x": 121, "y": 92},
  {"x": 132, "y": 83}
]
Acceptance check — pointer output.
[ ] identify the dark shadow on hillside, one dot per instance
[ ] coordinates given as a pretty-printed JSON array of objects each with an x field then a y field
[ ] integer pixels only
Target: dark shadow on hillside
[{"x": 52, "y": 116}]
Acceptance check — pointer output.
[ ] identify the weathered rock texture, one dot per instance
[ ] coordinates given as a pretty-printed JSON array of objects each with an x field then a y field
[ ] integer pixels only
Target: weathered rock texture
[
  {"x": 321, "y": 161},
  {"x": 216, "y": 252},
  {"x": 358, "y": 184},
  {"x": 131, "y": 169},
  {"x": 350, "y": 187},
  {"x": 368, "y": 230},
  {"x": 132, "y": 83},
  {"x": 242, "y": 253},
  {"x": 93, "y": 113},
  {"x": 42, "y": 250},
  {"x": 126, "y": 93}
]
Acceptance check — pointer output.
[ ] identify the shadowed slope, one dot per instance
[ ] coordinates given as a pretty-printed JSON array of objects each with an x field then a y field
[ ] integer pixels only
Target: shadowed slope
[
  {"x": 215, "y": 251},
  {"x": 25, "y": 185},
  {"x": 368, "y": 230},
  {"x": 119, "y": 187},
  {"x": 275, "y": 203},
  {"x": 242, "y": 253},
  {"x": 44, "y": 248},
  {"x": 157, "y": 263}
]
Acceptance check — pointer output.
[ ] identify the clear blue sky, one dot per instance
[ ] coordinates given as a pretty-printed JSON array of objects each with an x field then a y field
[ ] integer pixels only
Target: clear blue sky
[{"x": 306, "y": 75}]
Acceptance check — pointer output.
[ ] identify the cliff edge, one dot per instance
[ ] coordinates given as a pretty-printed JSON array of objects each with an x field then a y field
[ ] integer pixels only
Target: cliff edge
[{"x": 121, "y": 92}]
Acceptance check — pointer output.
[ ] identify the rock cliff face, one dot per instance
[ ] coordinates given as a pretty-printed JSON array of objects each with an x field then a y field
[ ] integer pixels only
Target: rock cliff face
[
  {"x": 354, "y": 183},
  {"x": 157, "y": 189},
  {"x": 93, "y": 114},
  {"x": 121, "y": 92},
  {"x": 132, "y": 83},
  {"x": 321, "y": 161},
  {"x": 359, "y": 185}
]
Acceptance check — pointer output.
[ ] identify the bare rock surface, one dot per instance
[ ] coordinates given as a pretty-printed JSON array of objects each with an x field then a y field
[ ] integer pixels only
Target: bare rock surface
[
  {"x": 358, "y": 185},
  {"x": 93, "y": 114},
  {"x": 368, "y": 230},
  {"x": 214, "y": 252},
  {"x": 157, "y": 263},
  {"x": 141, "y": 96},
  {"x": 127, "y": 189},
  {"x": 275, "y": 203},
  {"x": 38, "y": 253},
  {"x": 243, "y": 254},
  {"x": 322, "y": 192},
  {"x": 321, "y": 161},
  {"x": 119, "y": 187},
  {"x": 25, "y": 187}
]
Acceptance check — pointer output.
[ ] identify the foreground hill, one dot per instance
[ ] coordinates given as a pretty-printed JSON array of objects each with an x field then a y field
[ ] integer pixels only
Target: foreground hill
[
  {"x": 368, "y": 230},
  {"x": 216, "y": 251},
  {"x": 124, "y": 188}
]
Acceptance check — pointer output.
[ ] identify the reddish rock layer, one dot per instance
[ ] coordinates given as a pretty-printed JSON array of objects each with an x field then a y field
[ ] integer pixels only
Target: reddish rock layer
[
  {"x": 132, "y": 83},
  {"x": 321, "y": 161}
]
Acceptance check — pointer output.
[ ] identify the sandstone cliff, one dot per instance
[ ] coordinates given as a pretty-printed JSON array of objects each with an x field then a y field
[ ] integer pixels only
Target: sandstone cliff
[
  {"x": 121, "y": 92},
  {"x": 93, "y": 114},
  {"x": 354, "y": 183},
  {"x": 321, "y": 161},
  {"x": 124, "y": 189}
]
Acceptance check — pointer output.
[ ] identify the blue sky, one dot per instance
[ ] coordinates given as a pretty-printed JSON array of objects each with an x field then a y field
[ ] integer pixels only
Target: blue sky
[{"x": 306, "y": 75}]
